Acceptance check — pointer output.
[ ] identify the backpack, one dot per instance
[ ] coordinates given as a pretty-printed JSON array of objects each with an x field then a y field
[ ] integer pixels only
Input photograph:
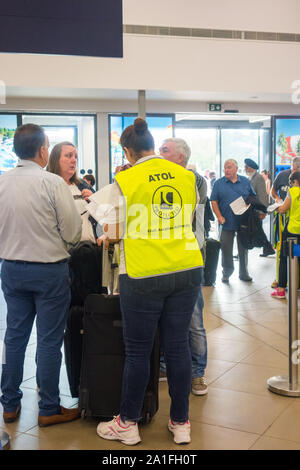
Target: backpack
[{"x": 85, "y": 271}]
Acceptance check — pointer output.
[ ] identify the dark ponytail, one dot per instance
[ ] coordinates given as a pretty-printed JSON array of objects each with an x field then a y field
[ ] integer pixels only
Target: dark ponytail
[{"x": 137, "y": 137}]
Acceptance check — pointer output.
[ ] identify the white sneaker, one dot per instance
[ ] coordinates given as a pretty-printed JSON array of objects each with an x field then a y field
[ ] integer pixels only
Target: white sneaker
[
  {"x": 114, "y": 431},
  {"x": 181, "y": 432}
]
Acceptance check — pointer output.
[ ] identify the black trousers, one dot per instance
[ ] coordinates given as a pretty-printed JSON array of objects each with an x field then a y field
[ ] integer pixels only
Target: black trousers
[{"x": 282, "y": 281}]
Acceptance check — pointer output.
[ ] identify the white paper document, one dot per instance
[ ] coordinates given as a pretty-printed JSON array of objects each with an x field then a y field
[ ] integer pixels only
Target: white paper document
[
  {"x": 274, "y": 206},
  {"x": 239, "y": 206}
]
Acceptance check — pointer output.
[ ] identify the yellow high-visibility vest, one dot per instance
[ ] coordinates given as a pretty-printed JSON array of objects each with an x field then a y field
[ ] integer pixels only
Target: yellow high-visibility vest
[
  {"x": 294, "y": 220},
  {"x": 160, "y": 201}
]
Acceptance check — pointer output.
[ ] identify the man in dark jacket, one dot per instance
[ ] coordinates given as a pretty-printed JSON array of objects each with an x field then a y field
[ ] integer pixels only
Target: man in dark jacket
[{"x": 259, "y": 186}]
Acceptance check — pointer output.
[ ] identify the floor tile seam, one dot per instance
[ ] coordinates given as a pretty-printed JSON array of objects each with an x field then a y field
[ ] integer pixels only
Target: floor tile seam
[
  {"x": 246, "y": 364},
  {"x": 251, "y": 394},
  {"x": 249, "y": 320},
  {"x": 218, "y": 378},
  {"x": 255, "y": 291},
  {"x": 241, "y": 361},
  {"x": 254, "y": 443},
  {"x": 220, "y": 426},
  {"x": 258, "y": 365},
  {"x": 278, "y": 417},
  {"x": 241, "y": 313},
  {"x": 265, "y": 366},
  {"x": 248, "y": 334},
  {"x": 249, "y": 341},
  {"x": 263, "y": 326},
  {"x": 278, "y": 438},
  {"x": 224, "y": 427},
  {"x": 39, "y": 437},
  {"x": 244, "y": 297}
]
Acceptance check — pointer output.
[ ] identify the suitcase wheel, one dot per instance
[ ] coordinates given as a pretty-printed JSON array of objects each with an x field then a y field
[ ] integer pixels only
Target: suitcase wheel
[{"x": 147, "y": 418}]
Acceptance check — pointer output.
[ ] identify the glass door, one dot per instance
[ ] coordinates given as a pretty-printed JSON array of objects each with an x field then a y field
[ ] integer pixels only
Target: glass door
[
  {"x": 8, "y": 125},
  {"x": 204, "y": 144},
  {"x": 212, "y": 143},
  {"x": 79, "y": 129},
  {"x": 160, "y": 126},
  {"x": 239, "y": 144}
]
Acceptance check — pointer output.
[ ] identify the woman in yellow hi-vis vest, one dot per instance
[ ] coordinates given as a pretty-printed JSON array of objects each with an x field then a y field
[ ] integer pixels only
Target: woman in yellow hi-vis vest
[
  {"x": 292, "y": 203},
  {"x": 159, "y": 277}
]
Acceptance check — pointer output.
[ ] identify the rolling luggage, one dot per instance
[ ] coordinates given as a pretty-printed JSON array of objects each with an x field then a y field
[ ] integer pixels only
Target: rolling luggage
[
  {"x": 86, "y": 278},
  {"x": 103, "y": 361},
  {"x": 73, "y": 347},
  {"x": 212, "y": 251},
  {"x": 86, "y": 271}
]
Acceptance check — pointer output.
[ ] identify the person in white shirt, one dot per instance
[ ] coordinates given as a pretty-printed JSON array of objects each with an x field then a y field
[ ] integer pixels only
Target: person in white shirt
[{"x": 38, "y": 224}]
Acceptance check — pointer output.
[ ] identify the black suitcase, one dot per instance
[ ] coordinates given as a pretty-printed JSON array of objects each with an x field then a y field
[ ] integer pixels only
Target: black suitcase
[
  {"x": 86, "y": 277},
  {"x": 103, "y": 361},
  {"x": 85, "y": 271},
  {"x": 212, "y": 250},
  {"x": 73, "y": 347}
]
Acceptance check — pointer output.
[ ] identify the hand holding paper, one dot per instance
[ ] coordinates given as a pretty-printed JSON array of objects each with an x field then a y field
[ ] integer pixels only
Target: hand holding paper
[
  {"x": 274, "y": 206},
  {"x": 239, "y": 206}
]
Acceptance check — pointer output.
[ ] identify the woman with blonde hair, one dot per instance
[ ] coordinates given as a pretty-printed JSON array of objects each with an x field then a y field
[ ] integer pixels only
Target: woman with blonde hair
[{"x": 63, "y": 162}]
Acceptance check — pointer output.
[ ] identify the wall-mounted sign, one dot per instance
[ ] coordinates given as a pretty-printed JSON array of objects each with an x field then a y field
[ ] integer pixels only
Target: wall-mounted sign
[
  {"x": 69, "y": 27},
  {"x": 215, "y": 107}
]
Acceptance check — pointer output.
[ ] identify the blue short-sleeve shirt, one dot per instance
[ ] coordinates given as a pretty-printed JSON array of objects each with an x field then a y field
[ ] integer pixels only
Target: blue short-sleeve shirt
[{"x": 224, "y": 192}]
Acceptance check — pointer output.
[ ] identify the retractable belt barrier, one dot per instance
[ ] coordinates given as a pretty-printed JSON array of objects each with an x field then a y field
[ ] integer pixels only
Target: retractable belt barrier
[{"x": 289, "y": 386}]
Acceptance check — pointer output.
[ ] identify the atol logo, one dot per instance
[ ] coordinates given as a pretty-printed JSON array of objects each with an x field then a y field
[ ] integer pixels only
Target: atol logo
[{"x": 166, "y": 202}]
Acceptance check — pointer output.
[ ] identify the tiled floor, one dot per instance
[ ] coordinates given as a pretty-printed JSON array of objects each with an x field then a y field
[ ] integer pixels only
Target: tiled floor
[{"x": 247, "y": 343}]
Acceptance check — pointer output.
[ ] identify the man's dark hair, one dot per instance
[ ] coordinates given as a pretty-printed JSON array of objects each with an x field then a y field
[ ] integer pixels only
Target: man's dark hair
[
  {"x": 295, "y": 177},
  {"x": 90, "y": 179},
  {"x": 28, "y": 140}
]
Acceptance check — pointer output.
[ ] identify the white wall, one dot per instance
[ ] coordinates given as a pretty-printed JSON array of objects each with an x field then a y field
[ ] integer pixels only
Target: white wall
[
  {"x": 175, "y": 63},
  {"x": 131, "y": 106},
  {"x": 165, "y": 63},
  {"x": 255, "y": 15}
]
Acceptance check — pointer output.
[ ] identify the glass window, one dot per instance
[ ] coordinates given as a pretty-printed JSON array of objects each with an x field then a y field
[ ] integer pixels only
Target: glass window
[
  {"x": 161, "y": 127},
  {"x": 287, "y": 141},
  {"x": 239, "y": 144},
  {"x": 204, "y": 148},
  {"x": 8, "y": 125},
  {"x": 77, "y": 129}
]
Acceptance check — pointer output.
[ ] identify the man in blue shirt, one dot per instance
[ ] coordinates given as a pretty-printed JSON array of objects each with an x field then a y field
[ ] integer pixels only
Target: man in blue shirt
[{"x": 226, "y": 190}]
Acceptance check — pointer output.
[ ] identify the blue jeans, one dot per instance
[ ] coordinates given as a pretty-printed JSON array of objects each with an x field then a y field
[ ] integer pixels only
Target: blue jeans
[
  {"x": 42, "y": 291},
  {"x": 167, "y": 301},
  {"x": 198, "y": 341}
]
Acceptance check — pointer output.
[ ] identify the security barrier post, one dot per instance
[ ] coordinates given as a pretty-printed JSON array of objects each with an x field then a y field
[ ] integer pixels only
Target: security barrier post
[{"x": 289, "y": 386}]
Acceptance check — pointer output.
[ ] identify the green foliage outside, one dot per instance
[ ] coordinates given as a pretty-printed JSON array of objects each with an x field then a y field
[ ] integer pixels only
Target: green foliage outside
[
  {"x": 298, "y": 148},
  {"x": 7, "y": 133},
  {"x": 282, "y": 143}
]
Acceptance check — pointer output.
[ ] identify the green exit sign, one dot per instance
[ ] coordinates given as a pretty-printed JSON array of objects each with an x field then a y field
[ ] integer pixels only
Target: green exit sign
[{"x": 215, "y": 107}]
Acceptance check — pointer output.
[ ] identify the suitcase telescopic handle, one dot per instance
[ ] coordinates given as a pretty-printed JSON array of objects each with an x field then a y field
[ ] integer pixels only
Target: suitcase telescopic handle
[{"x": 113, "y": 265}]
